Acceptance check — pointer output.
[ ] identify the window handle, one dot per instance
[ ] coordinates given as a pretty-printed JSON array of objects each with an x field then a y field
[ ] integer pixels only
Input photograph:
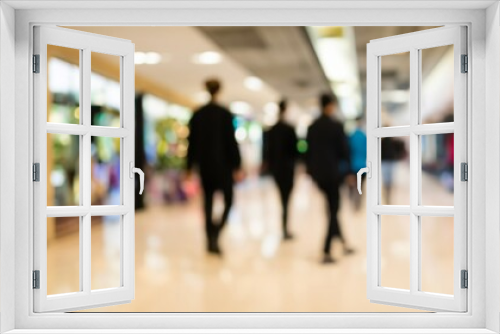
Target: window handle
[
  {"x": 133, "y": 170},
  {"x": 368, "y": 171}
]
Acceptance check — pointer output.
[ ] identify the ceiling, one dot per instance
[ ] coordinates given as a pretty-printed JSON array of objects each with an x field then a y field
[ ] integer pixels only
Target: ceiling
[
  {"x": 282, "y": 56},
  {"x": 178, "y": 72}
]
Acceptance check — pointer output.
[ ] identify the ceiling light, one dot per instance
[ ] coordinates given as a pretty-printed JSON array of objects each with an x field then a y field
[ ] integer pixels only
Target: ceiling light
[
  {"x": 207, "y": 58},
  {"x": 139, "y": 57},
  {"x": 241, "y": 108},
  {"x": 253, "y": 83},
  {"x": 150, "y": 58},
  {"x": 153, "y": 58}
]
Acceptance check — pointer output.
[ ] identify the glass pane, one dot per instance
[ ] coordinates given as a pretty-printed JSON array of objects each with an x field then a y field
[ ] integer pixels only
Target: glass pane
[
  {"x": 105, "y": 90},
  {"x": 395, "y": 171},
  {"x": 437, "y": 85},
  {"x": 106, "y": 252},
  {"x": 437, "y": 169},
  {"x": 63, "y": 169},
  {"x": 395, "y": 86},
  {"x": 395, "y": 251},
  {"x": 63, "y": 255},
  {"x": 63, "y": 82},
  {"x": 105, "y": 171},
  {"x": 437, "y": 254}
]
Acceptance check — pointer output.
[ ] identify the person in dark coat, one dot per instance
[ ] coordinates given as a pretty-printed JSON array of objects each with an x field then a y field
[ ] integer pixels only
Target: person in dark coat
[
  {"x": 392, "y": 150},
  {"x": 280, "y": 153},
  {"x": 327, "y": 147},
  {"x": 214, "y": 150}
]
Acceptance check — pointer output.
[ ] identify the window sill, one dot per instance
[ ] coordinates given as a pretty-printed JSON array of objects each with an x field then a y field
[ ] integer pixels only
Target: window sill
[{"x": 251, "y": 331}]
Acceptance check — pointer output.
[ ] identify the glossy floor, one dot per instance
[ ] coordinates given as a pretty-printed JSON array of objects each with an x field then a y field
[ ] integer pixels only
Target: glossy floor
[{"x": 259, "y": 272}]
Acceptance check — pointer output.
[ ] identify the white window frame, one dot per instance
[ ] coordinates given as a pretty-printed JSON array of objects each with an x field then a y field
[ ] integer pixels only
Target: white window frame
[{"x": 483, "y": 103}]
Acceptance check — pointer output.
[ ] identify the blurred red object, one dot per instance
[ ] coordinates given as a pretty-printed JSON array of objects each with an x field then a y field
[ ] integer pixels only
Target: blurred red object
[{"x": 191, "y": 186}]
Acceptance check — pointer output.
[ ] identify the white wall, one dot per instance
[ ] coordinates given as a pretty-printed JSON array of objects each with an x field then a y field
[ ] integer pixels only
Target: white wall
[
  {"x": 7, "y": 161},
  {"x": 492, "y": 164}
]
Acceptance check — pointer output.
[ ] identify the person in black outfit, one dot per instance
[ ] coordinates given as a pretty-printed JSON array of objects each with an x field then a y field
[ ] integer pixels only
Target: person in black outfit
[
  {"x": 214, "y": 150},
  {"x": 392, "y": 150},
  {"x": 327, "y": 147},
  {"x": 280, "y": 153}
]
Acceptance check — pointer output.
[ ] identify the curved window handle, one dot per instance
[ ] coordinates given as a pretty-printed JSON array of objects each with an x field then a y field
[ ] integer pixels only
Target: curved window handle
[
  {"x": 368, "y": 171},
  {"x": 133, "y": 170}
]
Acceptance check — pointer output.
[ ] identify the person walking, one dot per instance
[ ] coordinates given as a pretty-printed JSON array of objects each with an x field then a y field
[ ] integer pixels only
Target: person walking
[
  {"x": 280, "y": 153},
  {"x": 357, "y": 147},
  {"x": 392, "y": 150},
  {"x": 214, "y": 150},
  {"x": 327, "y": 147}
]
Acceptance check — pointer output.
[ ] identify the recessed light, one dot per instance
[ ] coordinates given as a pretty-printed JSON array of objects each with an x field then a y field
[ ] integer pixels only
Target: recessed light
[
  {"x": 253, "y": 83},
  {"x": 153, "y": 58},
  {"x": 150, "y": 58},
  {"x": 207, "y": 58}
]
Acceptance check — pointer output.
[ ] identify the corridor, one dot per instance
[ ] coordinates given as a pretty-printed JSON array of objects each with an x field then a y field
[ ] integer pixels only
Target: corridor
[{"x": 258, "y": 272}]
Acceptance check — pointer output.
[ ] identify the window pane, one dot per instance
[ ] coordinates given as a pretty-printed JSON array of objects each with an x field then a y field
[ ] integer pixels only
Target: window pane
[
  {"x": 395, "y": 171},
  {"x": 63, "y": 255},
  {"x": 63, "y": 169},
  {"x": 105, "y": 90},
  {"x": 105, "y": 171},
  {"x": 395, "y": 85},
  {"x": 395, "y": 251},
  {"x": 436, "y": 104},
  {"x": 437, "y": 254},
  {"x": 106, "y": 252},
  {"x": 63, "y": 82},
  {"x": 437, "y": 169}
]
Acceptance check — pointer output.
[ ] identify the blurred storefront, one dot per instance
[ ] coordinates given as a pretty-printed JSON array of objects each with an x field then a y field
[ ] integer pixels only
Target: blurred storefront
[{"x": 164, "y": 140}]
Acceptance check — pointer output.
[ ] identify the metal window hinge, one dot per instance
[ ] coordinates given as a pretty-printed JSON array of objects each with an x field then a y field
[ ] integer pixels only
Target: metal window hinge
[
  {"x": 465, "y": 64},
  {"x": 36, "y": 63},
  {"x": 464, "y": 171},
  {"x": 36, "y": 279},
  {"x": 464, "y": 279},
  {"x": 36, "y": 172}
]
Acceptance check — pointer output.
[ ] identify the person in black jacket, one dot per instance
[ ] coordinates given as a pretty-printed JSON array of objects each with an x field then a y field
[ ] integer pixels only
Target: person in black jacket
[
  {"x": 280, "y": 153},
  {"x": 214, "y": 150},
  {"x": 327, "y": 147},
  {"x": 391, "y": 151}
]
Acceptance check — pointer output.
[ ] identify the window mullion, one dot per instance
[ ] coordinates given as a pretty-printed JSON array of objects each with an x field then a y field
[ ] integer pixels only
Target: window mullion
[
  {"x": 414, "y": 171},
  {"x": 85, "y": 242}
]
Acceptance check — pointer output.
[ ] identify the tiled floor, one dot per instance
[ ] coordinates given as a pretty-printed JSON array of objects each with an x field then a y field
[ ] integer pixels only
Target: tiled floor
[{"x": 259, "y": 273}]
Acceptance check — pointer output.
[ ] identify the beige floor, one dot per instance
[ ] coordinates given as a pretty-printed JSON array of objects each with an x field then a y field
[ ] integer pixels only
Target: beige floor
[{"x": 258, "y": 272}]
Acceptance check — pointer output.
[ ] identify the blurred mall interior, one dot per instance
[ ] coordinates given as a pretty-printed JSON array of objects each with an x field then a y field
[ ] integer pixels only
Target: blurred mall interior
[{"x": 258, "y": 271}]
